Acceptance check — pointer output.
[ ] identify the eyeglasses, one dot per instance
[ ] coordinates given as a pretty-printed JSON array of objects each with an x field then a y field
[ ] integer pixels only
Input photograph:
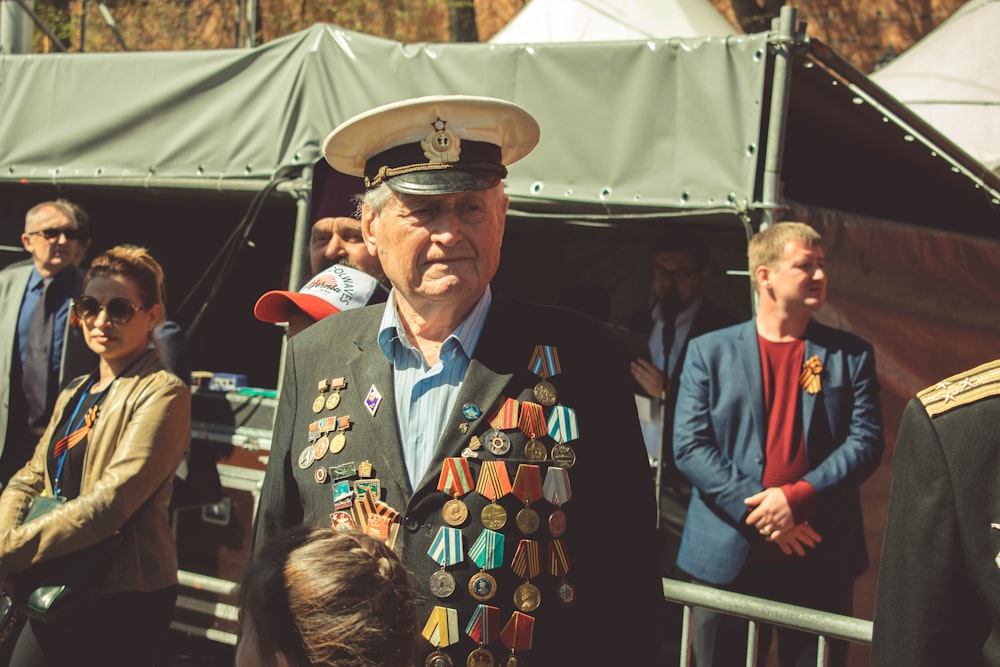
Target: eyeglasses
[
  {"x": 53, "y": 233},
  {"x": 119, "y": 310}
]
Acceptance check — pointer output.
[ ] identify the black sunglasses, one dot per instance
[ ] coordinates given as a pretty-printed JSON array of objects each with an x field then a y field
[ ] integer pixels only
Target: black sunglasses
[
  {"x": 120, "y": 310},
  {"x": 53, "y": 233}
]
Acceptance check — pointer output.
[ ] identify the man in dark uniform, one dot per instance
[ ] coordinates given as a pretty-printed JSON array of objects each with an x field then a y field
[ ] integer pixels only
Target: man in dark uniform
[
  {"x": 938, "y": 598},
  {"x": 494, "y": 443}
]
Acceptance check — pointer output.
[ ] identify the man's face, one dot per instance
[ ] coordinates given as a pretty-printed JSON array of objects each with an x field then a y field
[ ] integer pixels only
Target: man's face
[
  {"x": 677, "y": 278},
  {"x": 439, "y": 248},
  {"x": 339, "y": 241},
  {"x": 798, "y": 282},
  {"x": 52, "y": 255}
]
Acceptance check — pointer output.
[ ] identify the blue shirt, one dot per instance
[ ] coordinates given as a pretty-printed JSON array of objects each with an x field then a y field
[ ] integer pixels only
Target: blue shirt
[
  {"x": 63, "y": 283},
  {"x": 425, "y": 396}
]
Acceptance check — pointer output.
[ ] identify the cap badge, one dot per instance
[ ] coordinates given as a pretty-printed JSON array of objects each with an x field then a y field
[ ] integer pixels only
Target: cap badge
[{"x": 441, "y": 144}]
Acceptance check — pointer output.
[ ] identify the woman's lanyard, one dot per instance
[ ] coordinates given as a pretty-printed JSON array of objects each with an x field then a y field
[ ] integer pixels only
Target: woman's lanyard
[{"x": 83, "y": 427}]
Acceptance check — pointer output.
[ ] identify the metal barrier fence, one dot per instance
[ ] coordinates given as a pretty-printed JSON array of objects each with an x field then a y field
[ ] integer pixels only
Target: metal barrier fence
[{"x": 823, "y": 624}]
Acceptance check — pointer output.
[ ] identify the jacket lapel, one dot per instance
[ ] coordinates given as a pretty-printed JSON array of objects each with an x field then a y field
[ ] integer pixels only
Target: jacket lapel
[
  {"x": 809, "y": 401},
  {"x": 750, "y": 356}
]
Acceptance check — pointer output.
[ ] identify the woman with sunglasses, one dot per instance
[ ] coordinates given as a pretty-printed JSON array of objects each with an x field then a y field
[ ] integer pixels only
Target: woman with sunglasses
[{"x": 115, "y": 438}]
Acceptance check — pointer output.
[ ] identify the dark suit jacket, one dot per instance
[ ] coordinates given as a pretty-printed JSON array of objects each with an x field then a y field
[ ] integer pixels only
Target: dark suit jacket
[
  {"x": 719, "y": 440},
  {"x": 610, "y": 538},
  {"x": 938, "y": 599},
  {"x": 77, "y": 359}
]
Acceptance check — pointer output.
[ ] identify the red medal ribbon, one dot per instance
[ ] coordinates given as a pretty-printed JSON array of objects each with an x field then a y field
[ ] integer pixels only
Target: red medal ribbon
[
  {"x": 558, "y": 558},
  {"x": 532, "y": 421},
  {"x": 456, "y": 477},
  {"x": 482, "y": 628},
  {"x": 527, "y": 560},
  {"x": 528, "y": 483},
  {"x": 516, "y": 635},
  {"x": 343, "y": 423},
  {"x": 505, "y": 415},
  {"x": 494, "y": 483}
]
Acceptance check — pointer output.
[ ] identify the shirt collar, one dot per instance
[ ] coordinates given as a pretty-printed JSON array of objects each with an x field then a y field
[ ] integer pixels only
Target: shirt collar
[
  {"x": 465, "y": 336},
  {"x": 657, "y": 313}
]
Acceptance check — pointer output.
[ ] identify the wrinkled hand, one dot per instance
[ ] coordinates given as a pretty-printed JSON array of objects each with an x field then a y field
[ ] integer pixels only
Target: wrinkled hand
[
  {"x": 771, "y": 512},
  {"x": 649, "y": 377},
  {"x": 796, "y": 540}
]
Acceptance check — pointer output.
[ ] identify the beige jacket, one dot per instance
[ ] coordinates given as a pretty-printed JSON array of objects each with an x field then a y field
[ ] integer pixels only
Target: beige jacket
[{"x": 138, "y": 441}]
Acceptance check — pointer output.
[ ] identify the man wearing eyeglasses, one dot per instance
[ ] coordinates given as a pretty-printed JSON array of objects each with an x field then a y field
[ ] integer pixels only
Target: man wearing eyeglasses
[{"x": 38, "y": 352}]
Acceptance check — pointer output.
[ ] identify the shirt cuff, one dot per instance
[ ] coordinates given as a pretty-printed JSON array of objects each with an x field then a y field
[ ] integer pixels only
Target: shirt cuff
[{"x": 801, "y": 497}]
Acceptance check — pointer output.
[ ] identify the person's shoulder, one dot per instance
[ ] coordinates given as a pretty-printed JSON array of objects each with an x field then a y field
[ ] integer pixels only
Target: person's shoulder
[
  {"x": 16, "y": 268},
  {"x": 962, "y": 389}
]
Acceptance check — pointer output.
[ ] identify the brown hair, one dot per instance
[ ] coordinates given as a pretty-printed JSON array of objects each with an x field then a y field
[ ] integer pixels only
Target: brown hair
[
  {"x": 767, "y": 248},
  {"x": 331, "y": 598},
  {"x": 137, "y": 265}
]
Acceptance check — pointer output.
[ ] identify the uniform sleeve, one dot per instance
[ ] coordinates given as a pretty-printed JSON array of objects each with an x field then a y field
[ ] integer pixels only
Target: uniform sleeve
[
  {"x": 280, "y": 506},
  {"x": 921, "y": 570}
]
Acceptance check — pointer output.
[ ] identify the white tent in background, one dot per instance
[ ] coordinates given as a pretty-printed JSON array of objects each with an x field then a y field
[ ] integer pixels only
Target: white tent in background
[
  {"x": 951, "y": 78},
  {"x": 610, "y": 20}
]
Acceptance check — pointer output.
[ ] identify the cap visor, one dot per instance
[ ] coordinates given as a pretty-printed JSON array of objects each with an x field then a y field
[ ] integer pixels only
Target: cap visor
[
  {"x": 442, "y": 182},
  {"x": 275, "y": 306}
]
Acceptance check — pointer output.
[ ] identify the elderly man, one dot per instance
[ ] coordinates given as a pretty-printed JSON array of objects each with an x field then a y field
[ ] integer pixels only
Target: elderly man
[
  {"x": 494, "y": 443},
  {"x": 777, "y": 424},
  {"x": 39, "y": 349},
  {"x": 336, "y": 231}
]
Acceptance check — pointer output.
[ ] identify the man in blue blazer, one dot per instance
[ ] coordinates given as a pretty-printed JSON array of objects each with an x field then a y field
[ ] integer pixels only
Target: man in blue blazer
[{"x": 777, "y": 425}]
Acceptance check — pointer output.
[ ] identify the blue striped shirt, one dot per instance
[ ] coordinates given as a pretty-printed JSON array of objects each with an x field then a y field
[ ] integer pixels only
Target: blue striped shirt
[{"x": 426, "y": 395}]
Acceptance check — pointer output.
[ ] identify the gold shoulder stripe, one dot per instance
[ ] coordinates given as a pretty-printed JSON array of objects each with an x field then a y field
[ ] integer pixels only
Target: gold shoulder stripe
[{"x": 962, "y": 389}]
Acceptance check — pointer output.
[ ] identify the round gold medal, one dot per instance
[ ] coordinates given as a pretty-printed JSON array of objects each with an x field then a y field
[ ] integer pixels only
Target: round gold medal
[
  {"x": 563, "y": 456},
  {"x": 527, "y": 597},
  {"x": 442, "y": 584},
  {"x": 438, "y": 659},
  {"x": 480, "y": 658},
  {"x": 545, "y": 393},
  {"x": 510, "y": 661},
  {"x": 318, "y": 403},
  {"x": 320, "y": 447},
  {"x": 333, "y": 400},
  {"x": 493, "y": 516},
  {"x": 527, "y": 521},
  {"x": 482, "y": 586},
  {"x": 454, "y": 512},
  {"x": 536, "y": 451},
  {"x": 337, "y": 444}
]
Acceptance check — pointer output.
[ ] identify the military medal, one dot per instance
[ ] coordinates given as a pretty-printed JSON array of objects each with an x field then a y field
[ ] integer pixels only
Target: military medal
[
  {"x": 487, "y": 553},
  {"x": 527, "y": 565},
  {"x": 482, "y": 629},
  {"x": 545, "y": 363},
  {"x": 321, "y": 475},
  {"x": 306, "y": 458},
  {"x": 320, "y": 400},
  {"x": 333, "y": 400},
  {"x": 563, "y": 428},
  {"x": 376, "y": 518},
  {"x": 809, "y": 379},
  {"x": 559, "y": 567},
  {"x": 342, "y": 521},
  {"x": 532, "y": 424},
  {"x": 445, "y": 550},
  {"x": 373, "y": 400},
  {"x": 527, "y": 488},
  {"x": 493, "y": 484},
  {"x": 338, "y": 441},
  {"x": 504, "y": 417},
  {"x": 517, "y": 636},
  {"x": 455, "y": 481},
  {"x": 557, "y": 491},
  {"x": 345, "y": 470},
  {"x": 441, "y": 630},
  {"x": 320, "y": 447}
]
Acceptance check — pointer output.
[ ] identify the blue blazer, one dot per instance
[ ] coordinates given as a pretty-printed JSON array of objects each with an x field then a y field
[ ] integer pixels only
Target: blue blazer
[{"x": 719, "y": 444}]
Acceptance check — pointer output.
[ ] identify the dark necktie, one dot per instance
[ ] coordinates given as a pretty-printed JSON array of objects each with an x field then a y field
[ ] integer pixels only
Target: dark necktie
[{"x": 35, "y": 376}]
